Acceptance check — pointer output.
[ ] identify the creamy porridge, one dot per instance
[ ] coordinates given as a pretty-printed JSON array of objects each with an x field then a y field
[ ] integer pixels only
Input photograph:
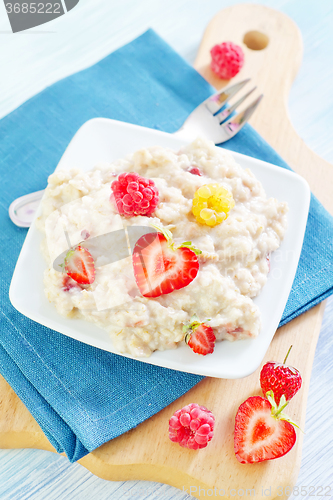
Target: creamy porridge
[{"x": 233, "y": 265}]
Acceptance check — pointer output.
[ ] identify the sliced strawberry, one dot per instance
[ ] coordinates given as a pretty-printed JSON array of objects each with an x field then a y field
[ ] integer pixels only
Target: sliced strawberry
[
  {"x": 199, "y": 337},
  {"x": 159, "y": 267},
  {"x": 259, "y": 435},
  {"x": 79, "y": 265}
]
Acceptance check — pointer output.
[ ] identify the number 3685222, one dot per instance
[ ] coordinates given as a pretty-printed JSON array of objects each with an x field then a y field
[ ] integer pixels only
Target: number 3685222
[{"x": 33, "y": 8}]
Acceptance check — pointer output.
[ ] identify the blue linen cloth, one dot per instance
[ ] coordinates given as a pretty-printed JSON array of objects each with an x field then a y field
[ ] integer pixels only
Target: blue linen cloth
[{"x": 82, "y": 396}]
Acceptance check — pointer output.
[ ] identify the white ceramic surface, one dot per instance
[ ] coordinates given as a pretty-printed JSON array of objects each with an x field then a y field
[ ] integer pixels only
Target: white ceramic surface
[{"x": 101, "y": 140}]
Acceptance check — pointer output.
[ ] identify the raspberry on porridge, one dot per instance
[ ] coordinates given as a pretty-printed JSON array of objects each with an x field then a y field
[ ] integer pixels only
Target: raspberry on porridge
[{"x": 231, "y": 262}]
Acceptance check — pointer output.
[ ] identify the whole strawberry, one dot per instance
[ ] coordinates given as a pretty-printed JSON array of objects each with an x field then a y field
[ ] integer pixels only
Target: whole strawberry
[
  {"x": 192, "y": 426},
  {"x": 281, "y": 379}
]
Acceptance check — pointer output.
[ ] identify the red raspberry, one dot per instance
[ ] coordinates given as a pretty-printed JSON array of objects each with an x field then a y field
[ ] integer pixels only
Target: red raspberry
[
  {"x": 227, "y": 60},
  {"x": 134, "y": 195},
  {"x": 195, "y": 170},
  {"x": 192, "y": 426}
]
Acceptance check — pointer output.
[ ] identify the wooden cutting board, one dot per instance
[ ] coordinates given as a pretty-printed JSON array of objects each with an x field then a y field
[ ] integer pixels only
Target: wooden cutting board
[{"x": 146, "y": 452}]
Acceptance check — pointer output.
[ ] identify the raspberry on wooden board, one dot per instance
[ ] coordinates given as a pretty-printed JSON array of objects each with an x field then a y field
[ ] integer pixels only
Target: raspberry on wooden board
[
  {"x": 227, "y": 60},
  {"x": 192, "y": 426}
]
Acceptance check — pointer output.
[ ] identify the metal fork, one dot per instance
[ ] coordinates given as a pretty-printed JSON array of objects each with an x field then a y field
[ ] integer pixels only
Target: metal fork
[{"x": 213, "y": 119}]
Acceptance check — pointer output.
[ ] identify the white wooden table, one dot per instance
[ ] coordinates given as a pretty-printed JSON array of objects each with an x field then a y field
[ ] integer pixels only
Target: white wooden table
[{"x": 32, "y": 60}]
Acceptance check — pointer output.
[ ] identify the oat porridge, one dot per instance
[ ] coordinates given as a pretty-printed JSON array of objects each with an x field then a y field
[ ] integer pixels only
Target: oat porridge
[{"x": 228, "y": 252}]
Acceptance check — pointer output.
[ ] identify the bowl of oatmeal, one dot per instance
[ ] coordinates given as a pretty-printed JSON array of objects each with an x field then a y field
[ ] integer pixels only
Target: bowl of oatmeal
[{"x": 245, "y": 264}]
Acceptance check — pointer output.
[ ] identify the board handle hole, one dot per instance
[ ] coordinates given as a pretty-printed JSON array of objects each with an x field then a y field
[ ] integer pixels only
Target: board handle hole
[{"x": 255, "y": 40}]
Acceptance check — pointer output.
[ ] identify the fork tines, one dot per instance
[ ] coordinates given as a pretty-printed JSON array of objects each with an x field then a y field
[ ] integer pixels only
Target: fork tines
[
  {"x": 229, "y": 109},
  {"x": 218, "y": 100},
  {"x": 232, "y": 126},
  {"x": 223, "y": 112}
]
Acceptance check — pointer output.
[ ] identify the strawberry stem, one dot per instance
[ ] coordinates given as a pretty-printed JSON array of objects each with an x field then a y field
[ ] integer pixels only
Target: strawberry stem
[
  {"x": 192, "y": 325},
  {"x": 188, "y": 244},
  {"x": 285, "y": 359},
  {"x": 166, "y": 233},
  {"x": 168, "y": 236},
  {"x": 281, "y": 408},
  {"x": 277, "y": 410}
]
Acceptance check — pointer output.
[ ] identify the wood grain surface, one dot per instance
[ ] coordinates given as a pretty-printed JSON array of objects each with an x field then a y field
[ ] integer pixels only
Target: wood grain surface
[{"x": 146, "y": 452}]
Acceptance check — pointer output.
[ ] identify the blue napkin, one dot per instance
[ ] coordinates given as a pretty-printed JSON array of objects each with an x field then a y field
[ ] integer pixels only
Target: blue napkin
[{"x": 82, "y": 396}]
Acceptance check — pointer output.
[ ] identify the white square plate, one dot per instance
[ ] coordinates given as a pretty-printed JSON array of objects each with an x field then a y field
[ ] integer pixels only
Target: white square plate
[{"x": 101, "y": 140}]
